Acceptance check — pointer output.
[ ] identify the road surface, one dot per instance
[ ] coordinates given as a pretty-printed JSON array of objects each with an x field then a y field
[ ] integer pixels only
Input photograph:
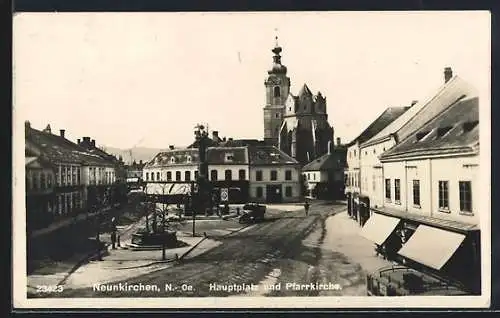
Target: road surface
[{"x": 283, "y": 256}]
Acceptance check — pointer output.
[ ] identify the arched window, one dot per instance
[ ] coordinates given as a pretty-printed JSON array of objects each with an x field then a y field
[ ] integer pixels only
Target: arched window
[
  {"x": 172, "y": 160},
  {"x": 157, "y": 176},
  {"x": 277, "y": 92}
]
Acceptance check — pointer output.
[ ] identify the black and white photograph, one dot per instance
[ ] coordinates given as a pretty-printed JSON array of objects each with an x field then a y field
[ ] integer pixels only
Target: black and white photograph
[{"x": 251, "y": 159}]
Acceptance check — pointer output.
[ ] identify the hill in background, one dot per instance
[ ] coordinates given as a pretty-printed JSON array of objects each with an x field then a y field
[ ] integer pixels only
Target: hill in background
[{"x": 136, "y": 153}]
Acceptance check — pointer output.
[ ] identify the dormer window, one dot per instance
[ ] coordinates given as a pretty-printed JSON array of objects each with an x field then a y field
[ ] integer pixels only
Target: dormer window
[
  {"x": 421, "y": 135},
  {"x": 443, "y": 131},
  {"x": 468, "y": 126},
  {"x": 277, "y": 92},
  {"x": 229, "y": 157},
  {"x": 188, "y": 159},
  {"x": 172, "y": 160}
]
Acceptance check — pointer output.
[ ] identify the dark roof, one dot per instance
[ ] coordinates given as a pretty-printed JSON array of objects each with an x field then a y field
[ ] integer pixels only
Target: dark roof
[
  {"x": 58, "y": 149},
  {"x": 332, "y": 161},
  {"x": 227, "y": 155},
  {"x": 454, "y": 130},
  {"x": 420, "y": 113},
  {"x": 179, "y": 156},
  {"x": 268, "y": 155},
  {"x": 387, "y": 117},
  {"x": 241, "y": 143},
  {"x": 210, "y": 143}
]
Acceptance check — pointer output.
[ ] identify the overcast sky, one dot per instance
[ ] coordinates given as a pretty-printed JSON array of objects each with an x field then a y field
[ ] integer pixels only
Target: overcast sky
[{"x": 146, "y": 79}]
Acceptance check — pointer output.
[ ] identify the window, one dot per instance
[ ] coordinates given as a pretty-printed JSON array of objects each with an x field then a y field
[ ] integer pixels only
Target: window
[
  {"x": 172, "y": 160},
  {"x": 277, "y": 115},
  {"x": 308, "y": 176},
  {"x": 388, "y": 189},
  {"x": 397, "y": 190},
  {"x": 229, "y": 157},
  {"x": 169, "y": 175},
  {"x": 63, "y": 174},
  {"x": 188, "y": 159},
  {"x": 314, "y": 176},
  {"x": 228, "y": 175},
  {"x": 274, "y": 175},
  {"x": 443, "y": 195},
  {"x": 157, "y": 176},
  {"x": 259, "y": 192},
  {"x": 213, "y": 175},
  {"x": 42, "y": 180},
  {"x": 242, "y": 174},
  {"x": 354, "y": 153},
  {"x": 416, "y": 193},
  {"x": 57, "y": 175},
  {"x": 177, "y": 176},
  {"x": 187, "y": 175},
  {"x": 196, "y": 174},
  {"x": 152, "y": 176},
  {"x": 147, "y": 176},
  {"x": 465, "y": 196},
  {"x": 49, "y": 181},
  {"x": 258, "y": 175},
  {"x": 288, "y": 175},
  {"x": 76, "y": 180},
  {"x": 277, "y": 92},
  {"x": 288, "y": 191}
]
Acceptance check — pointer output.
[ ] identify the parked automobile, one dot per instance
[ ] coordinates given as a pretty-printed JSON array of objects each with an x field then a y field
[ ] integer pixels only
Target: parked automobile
[
  {"x": 404, "y": 281},
  {"x": 252, "y": 212}
]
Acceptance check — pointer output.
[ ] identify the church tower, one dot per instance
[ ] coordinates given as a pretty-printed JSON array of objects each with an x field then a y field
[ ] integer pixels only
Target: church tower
[{"x": 277, "y": 89}]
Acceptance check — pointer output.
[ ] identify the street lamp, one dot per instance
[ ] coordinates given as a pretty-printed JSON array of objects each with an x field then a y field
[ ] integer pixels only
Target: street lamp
[{"x": 201, "y": 135}]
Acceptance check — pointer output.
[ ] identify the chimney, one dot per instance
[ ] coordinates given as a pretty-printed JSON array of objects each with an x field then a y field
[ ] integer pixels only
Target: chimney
[
  {"x": 27, "y": 124},
  {"x": 413, "y": 102},
  {"x": 215, "y": 135},
  {"x": 230, "y": 139},
  {"x": 171, "y": 147},
  {"x": 448, "y": 74},
  {"x": 78, "y": 141},
  {"x": 224, "y": 139},
  {"x": 338, "y": 141},
  {"x": 93, "y": 143},
  {"x": 140, "y": 162},
  {"x": 62, "y": 131},
  {"x": 86, "y": 140}
]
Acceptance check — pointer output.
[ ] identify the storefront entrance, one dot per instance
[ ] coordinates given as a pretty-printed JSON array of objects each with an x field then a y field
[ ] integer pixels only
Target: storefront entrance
[{"x": 274, "y": 193}]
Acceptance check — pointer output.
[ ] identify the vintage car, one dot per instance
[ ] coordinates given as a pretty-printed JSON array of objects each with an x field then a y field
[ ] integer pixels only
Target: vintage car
[
  {"x": 252, "y": 212},
  {"x": 403, "y": 281}
]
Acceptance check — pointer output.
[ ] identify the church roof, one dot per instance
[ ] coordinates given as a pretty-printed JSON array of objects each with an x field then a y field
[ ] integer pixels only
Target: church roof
[{"x": 305, "y": 91}]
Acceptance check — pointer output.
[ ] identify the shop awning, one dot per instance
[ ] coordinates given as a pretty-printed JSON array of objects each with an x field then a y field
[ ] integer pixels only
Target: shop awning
[
  {"x": 431, "y": 246},
  {"x": 378, "y": 228},
  {"x": 168, "y": 188}
]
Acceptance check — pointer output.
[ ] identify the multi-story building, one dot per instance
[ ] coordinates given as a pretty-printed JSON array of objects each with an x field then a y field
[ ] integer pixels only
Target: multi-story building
[
  {"x": 40, "y": 198},
  {"x": 431, "y": 195},
  {"x": 297, "y": 125},
  {"x": 275, "y": 176},
  {"x": 324, "y": 177},
  {"x": 372, "y": 182},
  {"x": 353, "y": 173},
  {"x": 75, "y": 170},
  {"x": 249, "y": 170},
  {"x": 228, "y": 167}
]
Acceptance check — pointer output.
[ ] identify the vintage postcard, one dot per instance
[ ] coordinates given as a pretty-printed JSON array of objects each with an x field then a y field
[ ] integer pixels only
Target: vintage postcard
[{"x": 251, "y": 160}]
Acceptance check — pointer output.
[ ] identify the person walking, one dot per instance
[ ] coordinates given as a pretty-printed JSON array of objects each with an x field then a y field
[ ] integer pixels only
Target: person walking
[{"x": 306, "y": 207}]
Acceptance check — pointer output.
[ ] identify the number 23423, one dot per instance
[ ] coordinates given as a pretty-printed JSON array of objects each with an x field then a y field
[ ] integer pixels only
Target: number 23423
[{"x": 49, "y": 288}]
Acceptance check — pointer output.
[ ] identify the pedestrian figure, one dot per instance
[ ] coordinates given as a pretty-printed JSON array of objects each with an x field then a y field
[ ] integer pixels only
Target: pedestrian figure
[
  {"x": 306, "y": 207},
  {"x": 113, "y": 240}
]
